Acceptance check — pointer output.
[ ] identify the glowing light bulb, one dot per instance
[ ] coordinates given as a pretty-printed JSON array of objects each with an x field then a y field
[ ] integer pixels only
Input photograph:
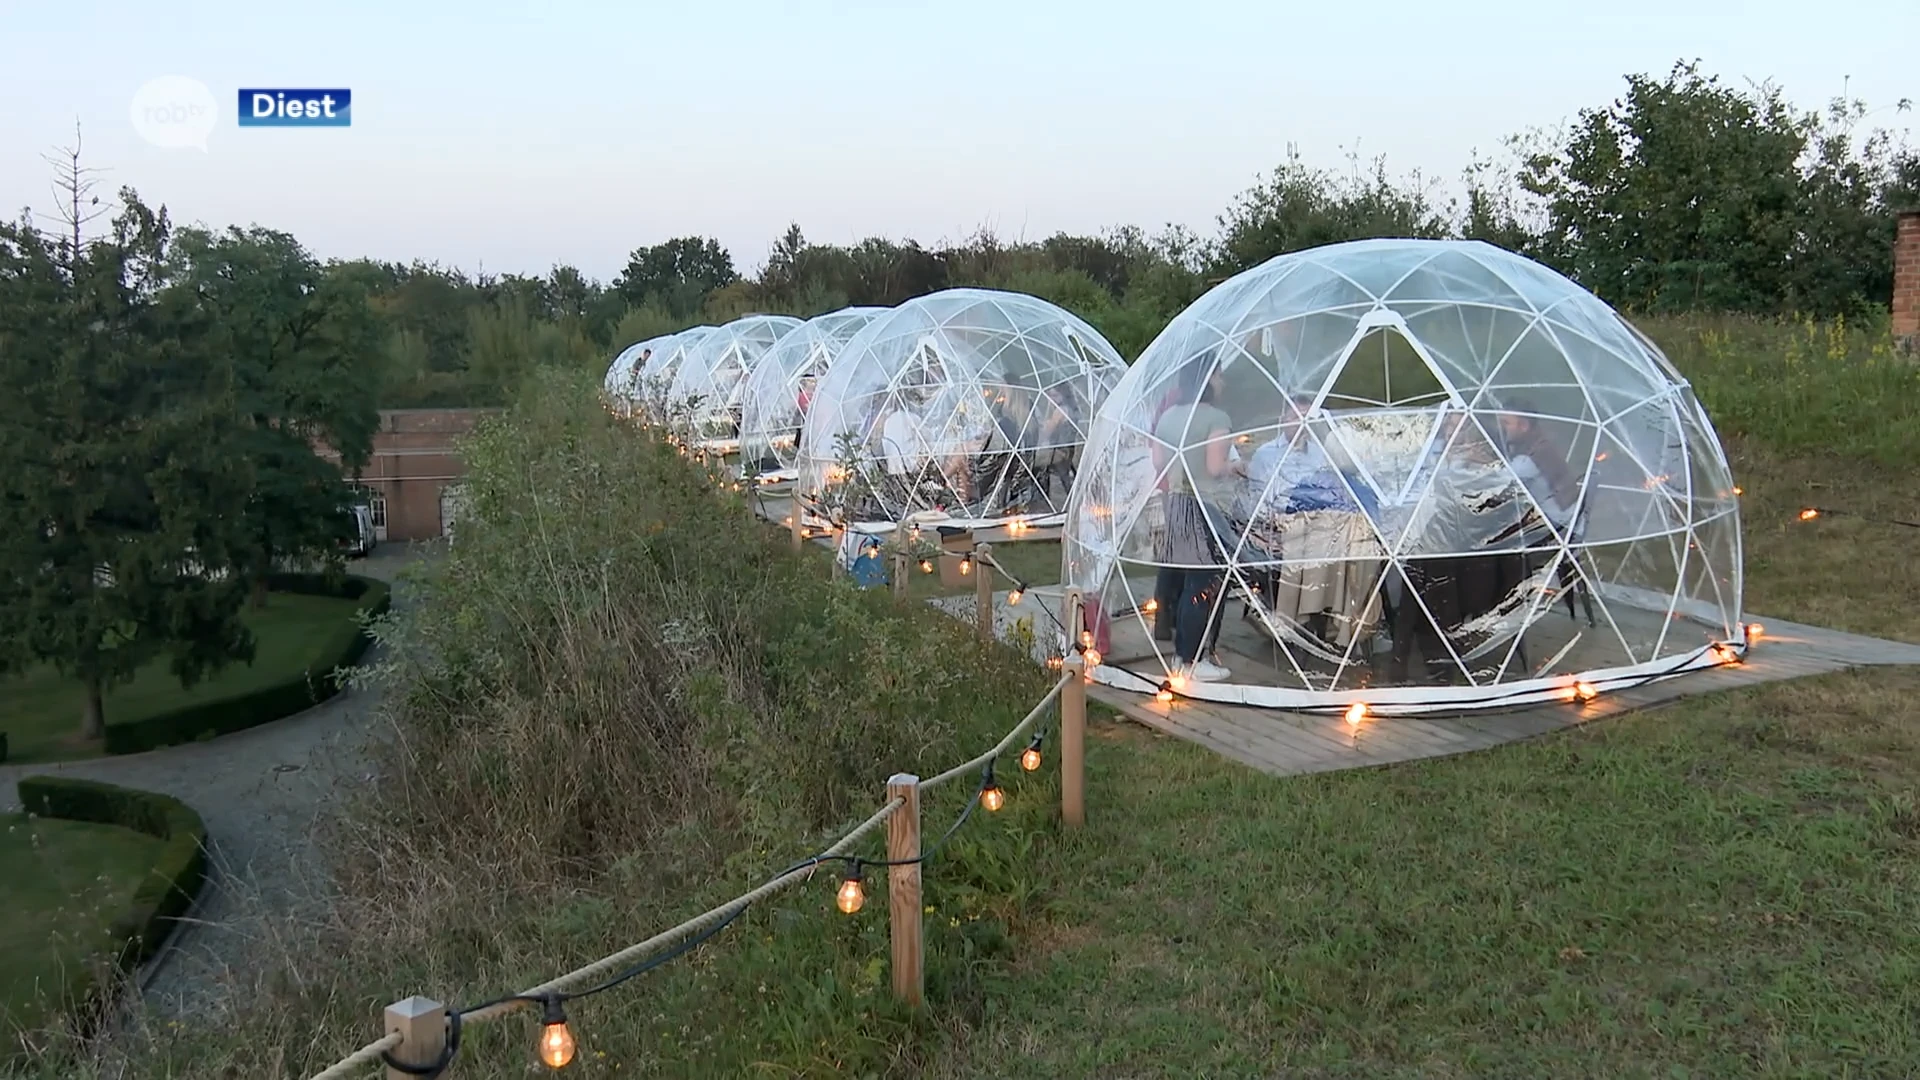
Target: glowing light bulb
[
  {"x": 556, "y": 1042},
  {"x": 1093, "y": 658},
  {"x": 1809, "y": 514},
  {"x": 1738, "y": 490},
  {"x": 1013, "y": 598},
  {"x": 926, "y": 567},
  {"x": 1151, "y": 607},
  {"x": 992, "y": 797},
  {"x": 1356, "y": 712},
  {"x": 1030, "y": 758},
  {"x": 1086, "y": 639},
  {"x": 1753, "y": 632},
  {"x": 852, "y": 896},
  {"x": 1166, "y": 692},
  {"x": 966, "y": 565},
  {"x": 1585, "y": 691}
]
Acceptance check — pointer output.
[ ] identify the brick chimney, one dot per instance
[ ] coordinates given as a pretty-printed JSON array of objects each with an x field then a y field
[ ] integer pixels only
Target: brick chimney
[{"x": 1906, "y": 281}]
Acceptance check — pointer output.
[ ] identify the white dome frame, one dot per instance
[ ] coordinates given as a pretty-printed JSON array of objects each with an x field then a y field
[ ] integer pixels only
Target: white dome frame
[
  {"x": 704, "y": 400},
  {"x": 1426, "y": 490},
  {"x": 946, "y": 354},
  {"x": 772, "y": 408}
]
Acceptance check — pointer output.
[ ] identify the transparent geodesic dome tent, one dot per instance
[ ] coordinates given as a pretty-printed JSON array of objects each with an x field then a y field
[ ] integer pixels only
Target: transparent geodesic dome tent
[
  {"x": 618, "y": 386},
  {"x": 966, "y": 407},
  {"x": 1417, "y": 475},
  {"x": 775, "y": 400},
  {"x": 653, "y": 381},
  {"x": 704, "y": 400}
]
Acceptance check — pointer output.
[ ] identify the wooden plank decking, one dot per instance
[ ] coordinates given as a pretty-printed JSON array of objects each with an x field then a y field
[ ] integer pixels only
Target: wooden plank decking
[{"x": 1285, "y": 743}]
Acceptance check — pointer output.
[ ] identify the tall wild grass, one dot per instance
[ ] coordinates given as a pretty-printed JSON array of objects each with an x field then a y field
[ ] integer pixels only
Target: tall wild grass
[{"x": 1800, "y": 386}]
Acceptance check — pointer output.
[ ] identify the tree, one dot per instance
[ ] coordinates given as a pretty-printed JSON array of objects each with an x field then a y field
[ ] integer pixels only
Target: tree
[
  {"x": 299, "y": 353},
  {"x": 1683, "y": 194},
  {"x": 117, "y": 490},
  {"x": 1299, "y": 206},
  {"x": 677, "y": 274}
]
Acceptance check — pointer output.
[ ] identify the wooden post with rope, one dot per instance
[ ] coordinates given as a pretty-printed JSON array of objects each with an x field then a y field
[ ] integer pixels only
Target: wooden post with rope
[
  {"x": 983, "y": 591},
  {"x": 1073, "y": 718},
  {"x": 422, "y": 1026},
  {"x": 793, "y": 523},
  {"x": 904, "y": 912}
]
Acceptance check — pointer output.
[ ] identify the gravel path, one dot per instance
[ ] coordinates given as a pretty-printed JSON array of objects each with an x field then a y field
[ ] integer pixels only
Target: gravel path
[{"x": 260, "y": 792}]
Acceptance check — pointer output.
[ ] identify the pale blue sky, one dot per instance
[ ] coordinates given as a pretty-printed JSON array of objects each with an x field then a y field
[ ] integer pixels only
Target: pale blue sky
[{"x": 518, "y": 134}]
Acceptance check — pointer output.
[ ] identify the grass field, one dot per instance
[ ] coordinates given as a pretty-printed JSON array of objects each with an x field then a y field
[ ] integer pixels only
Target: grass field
[
  {"x": 61, "y": 885},
  {"x": 1726, "y": 886},
  {"x": 41, "y": 710}
]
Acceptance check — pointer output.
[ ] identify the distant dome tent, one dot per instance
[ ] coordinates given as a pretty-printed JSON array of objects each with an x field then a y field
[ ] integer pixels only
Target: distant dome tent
[
  {"x": 966, "y": 407},
  {"x": 704, "y": 399},
  {"x": 776, "y": 397},
  {"x": 1432, "y": 475},
  {"x": 618, "y": 386},
  {"x": 653, "y": 381}
]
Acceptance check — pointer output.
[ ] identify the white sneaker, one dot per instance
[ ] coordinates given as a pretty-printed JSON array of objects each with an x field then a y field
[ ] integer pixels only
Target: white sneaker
[{"x": 1202, "y": 671}]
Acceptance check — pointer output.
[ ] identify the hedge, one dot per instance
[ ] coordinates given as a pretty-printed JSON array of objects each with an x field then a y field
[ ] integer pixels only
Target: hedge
[
  {"x": 166, "y": 893},
  {"x": 224, "y": 716}
]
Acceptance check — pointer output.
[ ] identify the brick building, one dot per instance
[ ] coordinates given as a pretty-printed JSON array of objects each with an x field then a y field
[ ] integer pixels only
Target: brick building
[
  {"x": 414, "y": 471},
  {"x": 1906, "y": 281}
]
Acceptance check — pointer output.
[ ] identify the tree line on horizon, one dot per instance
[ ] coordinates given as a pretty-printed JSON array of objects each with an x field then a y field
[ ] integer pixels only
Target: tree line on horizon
[
  {"x": 163, "y": 389},
  {"x": 1684, "y": 194}
]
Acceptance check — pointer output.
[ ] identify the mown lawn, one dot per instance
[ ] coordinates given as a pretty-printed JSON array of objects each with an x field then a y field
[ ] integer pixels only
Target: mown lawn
[
  {"x": 61, "y": 885},
  {"x": 40, "y": 711}
]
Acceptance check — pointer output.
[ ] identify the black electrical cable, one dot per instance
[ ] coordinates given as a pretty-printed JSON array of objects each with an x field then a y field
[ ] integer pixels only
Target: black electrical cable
[{"x": 1821, "y": 511}]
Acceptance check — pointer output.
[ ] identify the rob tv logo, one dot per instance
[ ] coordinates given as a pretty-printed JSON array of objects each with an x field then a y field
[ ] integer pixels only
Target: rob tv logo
[{"x": 296, "y": 108}]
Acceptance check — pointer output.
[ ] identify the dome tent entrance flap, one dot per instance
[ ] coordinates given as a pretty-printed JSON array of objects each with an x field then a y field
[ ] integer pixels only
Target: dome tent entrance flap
[
  {"x": 1420, "y": 475},
  {"x": 966, "y": 407}
]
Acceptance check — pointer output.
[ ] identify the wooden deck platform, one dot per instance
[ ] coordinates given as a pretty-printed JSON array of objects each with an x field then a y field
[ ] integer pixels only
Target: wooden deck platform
[{"x": 1285, "y": 743}]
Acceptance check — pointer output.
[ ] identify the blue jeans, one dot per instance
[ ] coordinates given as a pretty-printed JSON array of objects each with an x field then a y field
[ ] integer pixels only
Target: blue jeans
[{"x": 1196, "y": 627}]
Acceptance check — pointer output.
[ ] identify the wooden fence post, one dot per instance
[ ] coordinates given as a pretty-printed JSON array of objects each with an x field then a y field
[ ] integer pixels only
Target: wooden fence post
[
  {"x": 793, "y": 523},
  {"x": 422, "y": 1027},
  {"x": 899, "y": 575},
  {"x": 904, "y": 912},
  {"x": 1073, "y": 719},
  {"x": 983, "y": 591}
]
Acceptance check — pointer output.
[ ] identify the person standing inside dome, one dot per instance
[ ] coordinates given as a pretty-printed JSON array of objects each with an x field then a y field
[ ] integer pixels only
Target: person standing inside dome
[{"x": 1202, "y": 474}]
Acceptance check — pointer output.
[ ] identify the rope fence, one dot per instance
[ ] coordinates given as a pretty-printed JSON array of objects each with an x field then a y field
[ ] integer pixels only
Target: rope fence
[{"x": 422, "y": 1036}]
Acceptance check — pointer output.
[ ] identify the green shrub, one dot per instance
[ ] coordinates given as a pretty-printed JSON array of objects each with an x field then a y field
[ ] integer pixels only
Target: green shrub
[
  {"x": 166, "y": 894},
  {"x": 226, "y": 715}
]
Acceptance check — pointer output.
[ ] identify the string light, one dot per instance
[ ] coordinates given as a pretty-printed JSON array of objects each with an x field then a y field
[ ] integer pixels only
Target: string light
[
  {"x": 1019, "y": 590},
  {"x": 1165, "y": 694},
  {"x": 1585, "y": 691},
  {"x": 1809, "y": 514},
  {"x": 1356, "y": 712},
  {"x": 966, "y": 564},
  {"x": 991, "y": 795},
  {"x": 926, "y": 567},
  {"x": 1151, "y": 606},
  {"x": 1753, "y": 632},
  {"x": 852, "y": 895},
  {"x": 1093, "y": 658},
  {"x": 1030, "y": 757},
  {"x": 1086, "y": 639},
  {"x": 556, "y": 1042}
]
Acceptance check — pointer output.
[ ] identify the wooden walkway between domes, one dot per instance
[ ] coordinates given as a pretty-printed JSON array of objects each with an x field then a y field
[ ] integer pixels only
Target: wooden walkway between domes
[{"x": 1287, "y": 743}]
